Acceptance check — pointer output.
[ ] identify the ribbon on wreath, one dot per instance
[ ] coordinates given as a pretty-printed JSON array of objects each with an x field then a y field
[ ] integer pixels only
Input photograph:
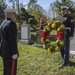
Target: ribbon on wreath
[{"x": 44, "y": 35}]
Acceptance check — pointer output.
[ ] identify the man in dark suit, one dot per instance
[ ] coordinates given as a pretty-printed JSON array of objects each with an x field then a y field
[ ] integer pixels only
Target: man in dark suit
[
  {"x": 67, "y": 20},
  {"x": 9, "y": 51}
]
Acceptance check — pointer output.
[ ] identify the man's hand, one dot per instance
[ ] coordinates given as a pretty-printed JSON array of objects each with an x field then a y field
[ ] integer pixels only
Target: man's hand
[{"x": 15, "y": 56}]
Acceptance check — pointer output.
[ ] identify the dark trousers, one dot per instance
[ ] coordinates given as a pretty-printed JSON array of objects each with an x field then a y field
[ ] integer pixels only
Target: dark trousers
[
  {"x": 41, "y": 28},
  {"x": 65, "y": 52},
  {"x": 10, "y": 66}
]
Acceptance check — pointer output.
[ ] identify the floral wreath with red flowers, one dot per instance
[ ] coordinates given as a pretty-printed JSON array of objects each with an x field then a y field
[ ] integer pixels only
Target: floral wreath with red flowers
[{"x": 60, "y": 37}]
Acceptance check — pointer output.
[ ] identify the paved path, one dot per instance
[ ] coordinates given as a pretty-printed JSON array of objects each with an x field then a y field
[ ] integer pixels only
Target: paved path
[{"x": 72, "y": 46}]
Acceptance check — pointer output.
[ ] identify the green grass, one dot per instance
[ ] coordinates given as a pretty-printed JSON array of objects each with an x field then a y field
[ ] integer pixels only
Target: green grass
[{"x": 37, "y": 61}]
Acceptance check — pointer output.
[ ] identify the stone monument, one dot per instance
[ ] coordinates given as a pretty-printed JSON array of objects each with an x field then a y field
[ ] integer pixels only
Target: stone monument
[
  {"x": 26, "y": 34},
  {"x": 38, "y": 36},
  {"x": 38, "y": 39}
]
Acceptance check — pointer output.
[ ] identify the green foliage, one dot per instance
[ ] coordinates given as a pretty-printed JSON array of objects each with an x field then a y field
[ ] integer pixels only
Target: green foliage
[
  {"x": 32, "y": 4},
  {"x": 37, "y": 61},
  {"x": 69, "y": 3},
  {"x": 25, "y": 17},
  {"x": 2, "y": 7},
  {"x": 32, "y": 21},
  {"x": 36, "y": 10}
]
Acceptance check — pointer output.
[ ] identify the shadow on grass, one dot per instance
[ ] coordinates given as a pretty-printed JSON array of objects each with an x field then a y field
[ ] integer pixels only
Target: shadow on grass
[
  {"x": 33, "y": 34},
  {"x": 71, "y": 63},
  {"x": 33, "y": 37}
]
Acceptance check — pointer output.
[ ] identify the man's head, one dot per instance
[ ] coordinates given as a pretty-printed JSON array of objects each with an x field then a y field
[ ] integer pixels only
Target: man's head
[
  {"x": 10, "y": 13},
  {"x": 64, "y": 10},
  {"x": 41, "y": 19}
]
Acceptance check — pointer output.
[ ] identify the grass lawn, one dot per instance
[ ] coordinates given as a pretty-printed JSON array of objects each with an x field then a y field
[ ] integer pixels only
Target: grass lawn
[{"x": 37, "y": 61}]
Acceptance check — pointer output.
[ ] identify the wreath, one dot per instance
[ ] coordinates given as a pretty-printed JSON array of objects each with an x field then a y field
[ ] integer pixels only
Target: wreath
[{"x": 60, "y": 37}]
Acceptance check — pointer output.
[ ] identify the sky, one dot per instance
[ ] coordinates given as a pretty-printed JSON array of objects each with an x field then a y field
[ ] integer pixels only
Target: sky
[{"x": 43, "y": 3}]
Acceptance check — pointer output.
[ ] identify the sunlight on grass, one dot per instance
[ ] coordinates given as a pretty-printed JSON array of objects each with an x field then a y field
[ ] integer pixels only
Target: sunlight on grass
[{"x": 37, "y": 61}]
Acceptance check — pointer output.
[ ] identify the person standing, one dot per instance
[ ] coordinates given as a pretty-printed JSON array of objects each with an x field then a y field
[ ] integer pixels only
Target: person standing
[
  {"x": 41, "y": 23},
  {"x": 67, "y": 20},
  {"x": 9, "y": 51}
]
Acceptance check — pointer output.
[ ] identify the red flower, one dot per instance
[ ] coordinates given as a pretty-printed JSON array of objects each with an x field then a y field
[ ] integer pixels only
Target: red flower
[
  {"x": 44, "y": 34},
  {"x": 60, "y": 35}
]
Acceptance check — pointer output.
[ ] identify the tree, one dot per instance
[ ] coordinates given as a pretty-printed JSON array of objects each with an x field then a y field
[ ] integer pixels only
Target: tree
[
  {"x": 69, "y": 3},
  {"x": 2, "y": 14},
  {"x": 15, "y": 4},
  {"x": 31, "y": 4},
  {"x": 2, "y": 1},
  {"x": 25, "y": 17},
  {"x": 53, "y": 8},
  {"x": 36, "y": 10}
]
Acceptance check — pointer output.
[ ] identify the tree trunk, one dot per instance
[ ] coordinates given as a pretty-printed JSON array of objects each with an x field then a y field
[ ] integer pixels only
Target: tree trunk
[
  {"x": 17, "y": 5},
  {"x": 33, "y": 27}
]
